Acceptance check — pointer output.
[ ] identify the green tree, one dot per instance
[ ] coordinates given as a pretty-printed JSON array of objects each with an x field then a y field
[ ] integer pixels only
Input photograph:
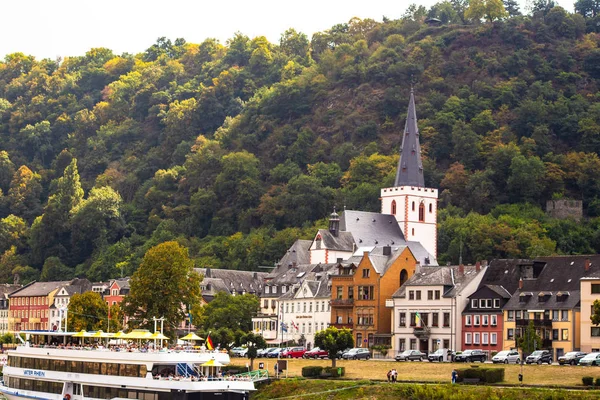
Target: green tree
[
  {"x": 253, "y": 341},
  {"x": 234, "y": 312},
  {"x": 334, "y": 340},
  {"x": 595, "y": 317},
  {"x": 530, "y": 341},
  {"x": 588, "y": 8},
  {"x": 163, "y": 286},
  {"x": 24, "y": 194},
  {"x": 87, "y": 311},
  {"x": 7, "y": 170},
  {"x": 55, "y": 270}
]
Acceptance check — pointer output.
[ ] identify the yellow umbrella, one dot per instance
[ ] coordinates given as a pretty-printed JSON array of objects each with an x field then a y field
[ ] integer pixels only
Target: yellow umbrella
[
  {"x": 138, "y": 334},
  {"x": 81, "y": 333},
  {"x": 212, "y": 363},
  {"x": 159, "y": 336},
  {"x": 99, "y": 334},
  {"x": 191, "y": 336},
  {"x": 119, "y": 334}
]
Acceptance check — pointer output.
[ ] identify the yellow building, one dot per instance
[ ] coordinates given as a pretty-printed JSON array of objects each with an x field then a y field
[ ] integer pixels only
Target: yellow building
[{"x": 590, "y": 292}]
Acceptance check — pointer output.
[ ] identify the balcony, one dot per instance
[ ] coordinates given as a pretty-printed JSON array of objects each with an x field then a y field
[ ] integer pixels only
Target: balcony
[
  {"x": 340, "y": 325},
  {"x": 342, "y": 302},
  {"x": 422, "y": 332},
  {"x": 536, "y": 322}
]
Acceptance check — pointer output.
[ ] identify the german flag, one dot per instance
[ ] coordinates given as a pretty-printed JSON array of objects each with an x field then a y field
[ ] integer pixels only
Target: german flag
[{"x": 209, "y": 343}]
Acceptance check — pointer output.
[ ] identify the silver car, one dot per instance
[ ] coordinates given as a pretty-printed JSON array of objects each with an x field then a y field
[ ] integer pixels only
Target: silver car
[{"x": 506, "y": 357}]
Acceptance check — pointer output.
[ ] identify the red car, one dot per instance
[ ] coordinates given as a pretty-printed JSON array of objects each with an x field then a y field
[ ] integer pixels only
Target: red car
[
  {"x": 293, "y": 352},
  {"x": 316, "y": 353}
]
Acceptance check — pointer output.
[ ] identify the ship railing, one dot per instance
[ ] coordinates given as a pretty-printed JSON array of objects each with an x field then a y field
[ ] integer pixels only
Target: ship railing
[{"x": 256, "y": 375}]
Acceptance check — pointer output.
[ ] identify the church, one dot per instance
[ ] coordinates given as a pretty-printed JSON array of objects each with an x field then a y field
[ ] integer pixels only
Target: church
[{"x": 345, "y": 275}]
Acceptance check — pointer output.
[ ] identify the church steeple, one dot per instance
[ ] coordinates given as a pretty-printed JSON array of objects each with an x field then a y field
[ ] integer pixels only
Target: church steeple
[{"x": 410, "y": 166}]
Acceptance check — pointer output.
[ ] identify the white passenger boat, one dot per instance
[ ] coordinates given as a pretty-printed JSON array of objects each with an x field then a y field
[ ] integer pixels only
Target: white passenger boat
[{"x": 60, "y": 372}]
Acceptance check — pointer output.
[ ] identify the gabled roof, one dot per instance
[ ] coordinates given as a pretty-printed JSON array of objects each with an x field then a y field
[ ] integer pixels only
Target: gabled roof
[
  {"x": 449, "y": 277},
  {"x": 371, "y": 229},
  {"x": 344, "y": 241},
  {"x": 316, "y": 280},
  {"x": 505, "y": 273},
  {"x": 232, "y": 281},
  {"x": 410, "y": 166},
  {"x": 381, "y": 263},
  {"x": 6, "y": 289},
  {"x": 298, "y": 253},
  {"x": 45, "y": 288}
]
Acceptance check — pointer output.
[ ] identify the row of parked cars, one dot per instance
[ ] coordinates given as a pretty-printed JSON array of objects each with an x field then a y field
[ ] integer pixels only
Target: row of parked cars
[{"x": 357, "y": 353}]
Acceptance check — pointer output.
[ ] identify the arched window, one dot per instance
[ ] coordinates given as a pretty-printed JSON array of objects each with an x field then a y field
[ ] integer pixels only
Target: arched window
[
  {"x": 421, "y": 212},
  {"x": 413, "y": 206},
  {"x": 403, "y": 276},
  {"x": 430, "y": 207},
  {"x": 413, "y": 231},
  {"x": 394, "y": 207}
]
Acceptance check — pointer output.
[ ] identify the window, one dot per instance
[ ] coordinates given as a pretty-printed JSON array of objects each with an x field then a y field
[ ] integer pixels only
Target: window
[
  {"x": 413, "y": 206},
  {"x": 437, "y": 294},
  {"x": 554, "y": 315},
  {"x": 510, "y": 334},
  {"x": 435, "y": 321},
  {"x": 411, "y": 294},
  {"x": 310, "y": 307},
  {"x": 303, "y": 307},
  {"x": 430, "y": 208},
  {"x": 510, "y": 316},
  {"x": 485, "y": 338},
  {"x": 309, "y": 327},
  {"x": 394, "y": 207},
  {"x": 493, "y": 338},
  {"x": 481, "y": 303},
  {"x": 564, "y": 315},
  {"x": 468, "y": 338},
  {"x": 274, "y": 289},
  {"x": 339, "y": 292},
  {"x": 474, "y": 303},
  {"x": 595, "y": 331},
  {"x": 402, "y": 319},
  {"x": 430, "y": 295},
  {"x": 267, "y": 289},
  {"x": 467, "y": 320},
  {"x": 496, "y": 303},
  {"x": 418, "y": 293},
  {"x": 283, "y": 289},
  {"x": 554, "y": 334},
  {"x": 292, "y": 307},
  {"x": 488, "y": 303},
  {"x": 358, "y": 339},
  {"x": 287, "y": 310},
  {"x": 494, "y": 320},
  {"x": 421, "y": 212},
  {"x": 413, "y": 343},
  {"x": 413, "y": 319},
  {"x": 402, "y": 345},
  {"x": 476, "y": 319},
  {"x": 476, "y": 336},
  {"x": 484, "y": 320},
  {"x": 446, "y": 319},
  {"x": 365, "y": 292},
  {"x": 323, "y": 306},
  {"x": 266, "y": 304},
  {"x": 303, "y": 327},
  {"x": 366, "y": 272},
  {"x": 424, "y": 319},
  {"x": 595, "y": 288},
  {"x": 564, "y": 334}
]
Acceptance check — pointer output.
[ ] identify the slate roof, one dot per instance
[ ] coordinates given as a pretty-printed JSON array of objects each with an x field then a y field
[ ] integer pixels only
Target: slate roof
[
  {"x": 344, "y": 241},
  {"x": 317, "y": 278},
  {"x": 231, "y": 281},
  {"x": 6, "y": 289},
  {"x": 447, "y": 276},
  {"x": 410, "y": 166},
  {"x": 504, "y": 273},
  {"x": 552, "y": 275},
  {"x": 381, "y": 263},
  {"x": 298, "y": 253},
  {"x": 45, "y": 288}
]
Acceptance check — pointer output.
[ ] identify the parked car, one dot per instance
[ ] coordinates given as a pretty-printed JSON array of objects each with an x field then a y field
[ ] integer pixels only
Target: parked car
[
  {"x": 357, "y": 353},
  {"x": 539, "y": 357},
  {"x": 243, "y": 352},
  {"x": 316, "y": 353},
  {"x": 438, "y": 355},
  {"x": 340, "y": 354},
  {"x": 506, "y": 357},
  {"x": 274, "y": 353},
  {"x": 262, "y": 352},
  {"x": 411, "y": 355},
  {"x": 571, "y": 358},
  {"x": 471, "y": 356},
  {"x": 293, "y": 352},
  {"x": 592, "y": 359},
  {"x": 235, "y": 352}
]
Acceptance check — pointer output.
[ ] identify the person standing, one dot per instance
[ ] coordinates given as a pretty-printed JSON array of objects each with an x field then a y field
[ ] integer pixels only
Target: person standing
[
  {"x": 394, "y": 375},
  {"x": 454, "y": 375},
  {"x": 389, "y": 375}
]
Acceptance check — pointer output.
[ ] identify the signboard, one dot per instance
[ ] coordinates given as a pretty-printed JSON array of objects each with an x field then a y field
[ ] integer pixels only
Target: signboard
[{"x": 261, "y": 365}]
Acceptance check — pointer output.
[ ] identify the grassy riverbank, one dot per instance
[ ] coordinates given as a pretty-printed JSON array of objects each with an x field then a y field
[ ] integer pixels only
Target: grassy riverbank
[{"x": 370, "y": 390}]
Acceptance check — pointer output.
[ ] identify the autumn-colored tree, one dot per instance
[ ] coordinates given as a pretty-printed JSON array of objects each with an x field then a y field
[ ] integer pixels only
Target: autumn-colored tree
[
  {"x": 24, "y": 194},
  {"x": 87, "y": 311}
]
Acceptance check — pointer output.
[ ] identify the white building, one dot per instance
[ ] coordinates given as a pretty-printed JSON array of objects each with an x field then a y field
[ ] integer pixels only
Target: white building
[{"x": 428, "y": 307}]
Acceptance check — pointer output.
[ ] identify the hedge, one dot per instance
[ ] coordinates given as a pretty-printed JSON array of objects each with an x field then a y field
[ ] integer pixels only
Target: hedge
[
  {"x": 587, "y": 380},
  {"x": 312, "y": 371},
  {"x": 598, "y": 382},
  {"x": 333, "y": 372},
  {"x": 485, "y": 375}
]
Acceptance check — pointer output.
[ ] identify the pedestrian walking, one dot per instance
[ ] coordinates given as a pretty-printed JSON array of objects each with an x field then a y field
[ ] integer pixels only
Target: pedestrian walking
[{"x": 454, "y": 375}]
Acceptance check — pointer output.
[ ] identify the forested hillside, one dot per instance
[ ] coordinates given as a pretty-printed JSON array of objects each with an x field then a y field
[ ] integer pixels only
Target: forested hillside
[{"x": 237, "y": 149}]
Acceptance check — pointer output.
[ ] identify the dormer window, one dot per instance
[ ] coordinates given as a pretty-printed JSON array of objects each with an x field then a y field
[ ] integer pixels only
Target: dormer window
[
  {"x": 274, "y": 289},
  {"x": 474, "y": 303},
  {"x": 267, "y": 289}
]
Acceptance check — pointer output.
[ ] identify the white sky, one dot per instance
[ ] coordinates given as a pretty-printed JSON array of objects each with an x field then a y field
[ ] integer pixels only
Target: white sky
[{"x": 51, "y": 28}]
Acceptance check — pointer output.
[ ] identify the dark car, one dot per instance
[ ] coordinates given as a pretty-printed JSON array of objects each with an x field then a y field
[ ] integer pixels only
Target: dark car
[
  {"x": 274, "y": 353},
  {"x": 411, "y": 355},
  {"x": 357, "y": 353},
  {"x": 539, "y": 357},
  {"x": 471, "y": 356},
  {"x": 571, "y": 358}
]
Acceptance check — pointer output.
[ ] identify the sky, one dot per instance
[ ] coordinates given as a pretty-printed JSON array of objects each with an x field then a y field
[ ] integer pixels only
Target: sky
[{"x": 61, "y": 28}]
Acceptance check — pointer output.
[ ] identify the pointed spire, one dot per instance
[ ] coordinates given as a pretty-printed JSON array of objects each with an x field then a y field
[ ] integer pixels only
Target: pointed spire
[{"x": 410, "y": 166}]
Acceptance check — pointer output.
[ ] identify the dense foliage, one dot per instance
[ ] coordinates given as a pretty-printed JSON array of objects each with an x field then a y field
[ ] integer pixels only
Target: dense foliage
[{"x": 235, "y": 150}]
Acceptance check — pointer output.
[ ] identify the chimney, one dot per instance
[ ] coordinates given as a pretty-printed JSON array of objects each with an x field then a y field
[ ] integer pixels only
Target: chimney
[
  {"x": 520, "y": 283},
  {"x": 461, "y": 269},
  {"x": 387, "y": 251},
  {"x": 207, "y": 273},
  {"x": 478, "y": 266},
  {"x": 417, "y": 267},
  {"x": 255, "y": 275},
  {"x": 587, "y": 264}
]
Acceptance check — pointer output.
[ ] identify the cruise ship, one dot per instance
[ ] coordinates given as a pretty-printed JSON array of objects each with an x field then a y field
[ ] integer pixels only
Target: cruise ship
[{"x": 76, "y": 372}]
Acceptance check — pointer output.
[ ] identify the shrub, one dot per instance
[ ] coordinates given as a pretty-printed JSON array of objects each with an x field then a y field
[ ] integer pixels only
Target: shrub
[
  {"x": 234, "y": 369},
  {"x": 587, "y": 380},
  {"x": 485, "y": 375},
  {"x": 597, "y": 382},
  {"x": 333, "y": 372},
  {"x": 312, "y": 371},
  {"x": 493, "y": 375}
]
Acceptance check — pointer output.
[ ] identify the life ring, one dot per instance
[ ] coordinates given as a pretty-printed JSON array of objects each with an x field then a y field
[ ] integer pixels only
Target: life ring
[{"x": 67, "y": 397}]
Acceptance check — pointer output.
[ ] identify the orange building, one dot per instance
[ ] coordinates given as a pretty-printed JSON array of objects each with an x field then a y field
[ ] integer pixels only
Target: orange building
[{"x": 361, "y": 287}]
